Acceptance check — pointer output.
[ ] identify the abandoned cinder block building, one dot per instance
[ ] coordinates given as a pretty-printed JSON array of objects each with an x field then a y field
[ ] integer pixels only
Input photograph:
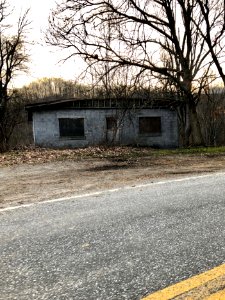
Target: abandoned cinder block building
[{"x": 80, "y": 123}]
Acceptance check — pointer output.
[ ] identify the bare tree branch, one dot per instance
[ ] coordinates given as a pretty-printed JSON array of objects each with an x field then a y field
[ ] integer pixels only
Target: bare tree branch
[
  {"x": 188, "y": 33},
  {"x": 13, "y": 58}
]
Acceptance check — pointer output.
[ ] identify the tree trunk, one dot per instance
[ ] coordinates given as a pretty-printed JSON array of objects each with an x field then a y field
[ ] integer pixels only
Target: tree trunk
[
  {"x": 196, "y": 133},
  {"x": 4, "y": 145},
  {"x": 2, "y": 117},
  {"x": 190, "y": 129},
  {"x": 187, "y": 126}
]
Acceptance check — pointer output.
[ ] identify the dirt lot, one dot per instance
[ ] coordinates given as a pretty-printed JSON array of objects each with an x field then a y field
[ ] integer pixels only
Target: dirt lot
[{"x": 37, "y": 175}]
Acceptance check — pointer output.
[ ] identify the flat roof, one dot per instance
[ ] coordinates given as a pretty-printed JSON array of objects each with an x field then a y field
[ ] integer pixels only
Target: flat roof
[{"x": 122, "y": 103}]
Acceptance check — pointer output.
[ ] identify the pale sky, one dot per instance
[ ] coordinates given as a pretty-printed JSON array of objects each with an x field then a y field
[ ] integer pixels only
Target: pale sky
[{"x": 44, "y": 59}]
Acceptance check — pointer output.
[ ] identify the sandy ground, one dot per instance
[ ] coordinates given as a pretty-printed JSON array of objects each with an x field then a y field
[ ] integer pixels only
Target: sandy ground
[{"x": 25, "y": 183}]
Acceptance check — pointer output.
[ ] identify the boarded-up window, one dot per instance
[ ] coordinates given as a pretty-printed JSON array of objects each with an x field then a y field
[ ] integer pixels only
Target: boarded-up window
[
  {"x": 110, "y": 123},
  {"x": 150, "y": 125},
  {"x": 71, "y": 127}
]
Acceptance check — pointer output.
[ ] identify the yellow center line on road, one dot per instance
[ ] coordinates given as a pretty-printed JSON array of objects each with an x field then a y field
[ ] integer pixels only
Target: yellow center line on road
[
  {"x": 190, "y": 284},
  {"x": 217, "y": 296}
]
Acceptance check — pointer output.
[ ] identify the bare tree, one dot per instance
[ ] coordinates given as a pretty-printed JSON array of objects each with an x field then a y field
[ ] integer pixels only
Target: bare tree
[
  {"x": 13, "y": 58},
  {"x": 212, "y": 115},
  {"x": 140, "y": 31},
  {"x": 213, "y": 31},
  {"x": 45, "y": 89}
]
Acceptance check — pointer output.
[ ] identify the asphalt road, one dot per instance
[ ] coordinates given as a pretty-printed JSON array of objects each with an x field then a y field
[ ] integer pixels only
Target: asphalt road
[{"x": 120, "y": 244}]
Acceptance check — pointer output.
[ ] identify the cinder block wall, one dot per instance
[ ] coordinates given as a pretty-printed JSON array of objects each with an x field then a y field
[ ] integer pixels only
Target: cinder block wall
[{"x": 46, "y": 128}]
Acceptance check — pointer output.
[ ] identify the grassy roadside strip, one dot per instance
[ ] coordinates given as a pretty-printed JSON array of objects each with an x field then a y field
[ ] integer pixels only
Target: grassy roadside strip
[
  {"x": 194, "y": 151},
  {"x": 43, "y": 155}
]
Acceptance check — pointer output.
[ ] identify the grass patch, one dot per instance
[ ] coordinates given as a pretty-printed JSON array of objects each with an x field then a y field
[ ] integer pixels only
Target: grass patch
[{"x": 192, "y": 151}]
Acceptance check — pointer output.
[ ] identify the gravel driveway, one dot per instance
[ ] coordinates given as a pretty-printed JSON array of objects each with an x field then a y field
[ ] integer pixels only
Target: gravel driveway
[{"x": 37, "y": 180}]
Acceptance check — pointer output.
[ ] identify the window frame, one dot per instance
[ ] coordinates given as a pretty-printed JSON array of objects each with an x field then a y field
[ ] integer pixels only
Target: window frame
[
  {"x": 111, "y": 123},
  {"x": 71, "y": 134},
  {"x": 156, "y": 130}
]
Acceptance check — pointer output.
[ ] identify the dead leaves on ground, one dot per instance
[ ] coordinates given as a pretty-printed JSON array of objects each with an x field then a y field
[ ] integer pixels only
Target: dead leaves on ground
[{"x": 41, "y": 155}]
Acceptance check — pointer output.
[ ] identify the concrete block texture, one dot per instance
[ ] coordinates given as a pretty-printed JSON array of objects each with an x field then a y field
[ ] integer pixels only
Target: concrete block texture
[{"x": 126, "y": 131}]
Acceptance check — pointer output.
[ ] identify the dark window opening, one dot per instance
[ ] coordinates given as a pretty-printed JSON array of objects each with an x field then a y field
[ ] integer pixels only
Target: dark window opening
[
  {"x": 71, "y": 127},
  {"x": 111, "y": 123},
  {"x": 150, "y": 125}
]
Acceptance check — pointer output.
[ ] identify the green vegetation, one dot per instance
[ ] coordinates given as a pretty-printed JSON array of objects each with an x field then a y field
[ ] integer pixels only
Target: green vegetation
[{"x": 192, "y": 151}]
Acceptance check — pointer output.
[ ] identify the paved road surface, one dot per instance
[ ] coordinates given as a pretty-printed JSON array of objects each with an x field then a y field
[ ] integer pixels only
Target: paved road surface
[{"x": 115, "y": 245}]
